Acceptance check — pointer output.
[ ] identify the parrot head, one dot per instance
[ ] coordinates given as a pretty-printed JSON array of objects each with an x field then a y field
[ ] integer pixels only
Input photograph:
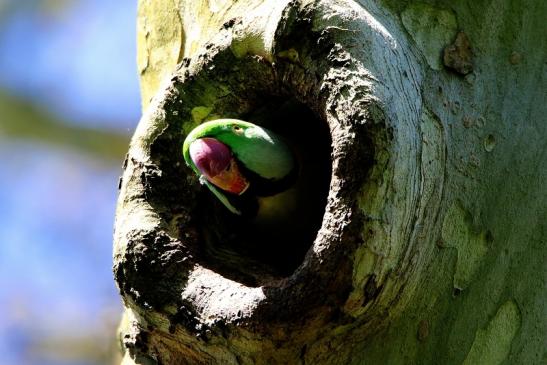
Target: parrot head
[{"x": 238, "y": 161}]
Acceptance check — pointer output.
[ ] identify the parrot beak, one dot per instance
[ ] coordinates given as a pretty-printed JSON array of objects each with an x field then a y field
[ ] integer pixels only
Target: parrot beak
[
  {"x": 215, "y": 161},
  {"x": 231, "y": 179}
]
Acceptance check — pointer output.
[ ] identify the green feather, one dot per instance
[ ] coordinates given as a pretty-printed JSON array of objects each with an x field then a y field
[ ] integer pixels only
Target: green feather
[
  {"x": 222, "y": 197},
  {"x": 258, "y": 149}
]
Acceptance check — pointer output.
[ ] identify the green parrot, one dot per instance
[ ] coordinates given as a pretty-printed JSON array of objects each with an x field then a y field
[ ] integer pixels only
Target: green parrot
[{"x": 244, "y": 165}]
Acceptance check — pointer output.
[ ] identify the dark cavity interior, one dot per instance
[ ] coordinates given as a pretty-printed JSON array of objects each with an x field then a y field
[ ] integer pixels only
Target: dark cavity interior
[{"x": 254, "y": 251}]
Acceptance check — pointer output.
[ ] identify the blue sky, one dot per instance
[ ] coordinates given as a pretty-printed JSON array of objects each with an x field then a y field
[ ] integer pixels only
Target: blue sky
[
  {"x": 78, "y": 62},
  {"x": 56, "y": 205}
]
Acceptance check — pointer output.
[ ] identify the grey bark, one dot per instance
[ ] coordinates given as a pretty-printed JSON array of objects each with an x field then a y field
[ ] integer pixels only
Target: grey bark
[{"x": 431, "y": 245}]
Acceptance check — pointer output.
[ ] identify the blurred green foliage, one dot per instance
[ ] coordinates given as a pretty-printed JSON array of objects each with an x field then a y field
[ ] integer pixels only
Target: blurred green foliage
[{"x": 23, "y": 120}]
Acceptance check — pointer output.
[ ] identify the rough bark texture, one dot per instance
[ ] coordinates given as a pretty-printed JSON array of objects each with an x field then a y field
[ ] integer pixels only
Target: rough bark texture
[{"x": 431, "y": 244}]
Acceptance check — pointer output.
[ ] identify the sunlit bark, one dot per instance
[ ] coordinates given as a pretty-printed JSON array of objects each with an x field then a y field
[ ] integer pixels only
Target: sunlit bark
[{"x": 431, "y": 246}]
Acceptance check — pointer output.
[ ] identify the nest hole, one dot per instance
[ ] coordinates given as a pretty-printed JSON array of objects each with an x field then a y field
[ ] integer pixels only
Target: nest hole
[{"x": 254, "y": 251}]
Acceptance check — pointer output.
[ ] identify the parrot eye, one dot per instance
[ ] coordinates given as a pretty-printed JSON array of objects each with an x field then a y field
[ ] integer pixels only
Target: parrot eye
[{"x": 237, "y": 129}]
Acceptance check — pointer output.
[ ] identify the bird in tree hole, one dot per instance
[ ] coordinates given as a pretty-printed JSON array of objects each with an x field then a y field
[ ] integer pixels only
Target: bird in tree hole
[
  {"x": 274, "y": 187},
  {"x": 244, "y": 165}
]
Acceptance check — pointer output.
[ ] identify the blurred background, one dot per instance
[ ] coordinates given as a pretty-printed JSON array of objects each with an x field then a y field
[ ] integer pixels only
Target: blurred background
[{"x": 68, "y": 104}]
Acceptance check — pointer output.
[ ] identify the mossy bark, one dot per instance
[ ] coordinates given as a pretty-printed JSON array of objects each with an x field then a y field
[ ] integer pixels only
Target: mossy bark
[{"x": 431, "y": 244}]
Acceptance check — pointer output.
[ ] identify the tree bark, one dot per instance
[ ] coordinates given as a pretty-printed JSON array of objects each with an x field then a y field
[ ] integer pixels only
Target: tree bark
[{"x": 429, "y": 244}]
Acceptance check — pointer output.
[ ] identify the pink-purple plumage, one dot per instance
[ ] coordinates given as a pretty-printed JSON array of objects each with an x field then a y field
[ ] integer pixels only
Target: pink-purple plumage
[
  {"x": 215, "y": 161},
  {"x": 210, "y": 156}
]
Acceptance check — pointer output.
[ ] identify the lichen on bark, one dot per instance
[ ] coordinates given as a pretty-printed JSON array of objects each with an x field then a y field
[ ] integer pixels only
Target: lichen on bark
[{"x": 407, "y": 233}]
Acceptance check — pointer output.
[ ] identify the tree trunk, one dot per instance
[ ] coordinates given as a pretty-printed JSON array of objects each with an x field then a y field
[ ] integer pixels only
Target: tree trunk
[{"x": 429, "y": 245}]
